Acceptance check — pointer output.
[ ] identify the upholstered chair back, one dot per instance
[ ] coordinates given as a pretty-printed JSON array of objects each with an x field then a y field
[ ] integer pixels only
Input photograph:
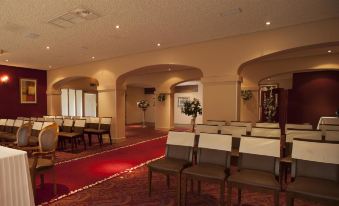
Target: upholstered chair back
[
  {"x": 248, "y": 125},
  {"x": 325, "y": 127},
  {"x": 79, "y": 126},
  {"x": 214, "y": 149},
  {"x": 67, "y": 125},
  {"x": 9, "y": 125},
  {"x": 236, "y": 132},
  {"x": 179, "y": 145},
  {"x": 301, "y": 134},
  {"x": 315, "y": 159},
  {"x": 23, "y": 134},
  {"x": 204, "y": 128},
  {"x": 2, "y": 124},
  {"x": 259, "y": 154},
  {"x": 21, "y": 118},
  {"x": 36, "y": 128},
  {"x": 266, "y": 132},
  {"x": 267, "y": 125},
  {"x": 48, "y": 138},
  {"x": 306, "y": 126},
  {"x": 105, "y": 123},
  {"x": 40, "y": 119},
  {"x": 216, "y": 122},
  {"x": 33, "y": 119},
  {"x": 46, "y": 124},
  {"x": 59, "y": 121},
  {"x": 17, "y": 124},
  {"x": 332, "y": 136},
  {"x": 92, "y": 122}
]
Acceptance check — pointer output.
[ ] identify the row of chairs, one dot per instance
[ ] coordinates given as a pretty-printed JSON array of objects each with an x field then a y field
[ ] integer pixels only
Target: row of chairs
[{"x": 258, "y": 166}]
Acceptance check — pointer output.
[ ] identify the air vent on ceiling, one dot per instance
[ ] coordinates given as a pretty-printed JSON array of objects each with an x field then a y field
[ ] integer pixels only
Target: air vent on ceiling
[
  {"x": 231, "y": 11},
  {"x": 32, "y": 36},
  {"x": 73, "y": 17}
]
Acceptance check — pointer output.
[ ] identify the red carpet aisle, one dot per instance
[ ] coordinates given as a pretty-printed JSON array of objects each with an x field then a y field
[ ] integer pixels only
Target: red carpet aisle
[{"x": 80, "y": 173}]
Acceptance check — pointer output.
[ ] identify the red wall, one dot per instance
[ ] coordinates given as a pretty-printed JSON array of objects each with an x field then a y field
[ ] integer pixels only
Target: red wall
[
  {"x": 10, "y": 106},
  {"x": 314, "y": 94}
]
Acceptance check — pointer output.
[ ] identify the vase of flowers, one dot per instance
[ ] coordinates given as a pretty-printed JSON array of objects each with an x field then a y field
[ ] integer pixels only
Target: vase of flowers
[
  {"x": 143, "y": 105},
  {"x": 246, "y": 95},
  {"x": 270, "y": 106},
  {"x": 161, "y": 97},
  {"x": 192, "y": 108}
]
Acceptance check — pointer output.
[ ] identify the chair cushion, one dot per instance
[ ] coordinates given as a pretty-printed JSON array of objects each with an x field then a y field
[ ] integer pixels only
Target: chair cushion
[
  {"x": 255, "y": 178},
  {"x": 69, "y": 134},
  {"x": 169, "y": 164},
  {"x": 204, "y": 170},
  {"x": 315, "y": 187},
  {"x": 42, "y": 163}
]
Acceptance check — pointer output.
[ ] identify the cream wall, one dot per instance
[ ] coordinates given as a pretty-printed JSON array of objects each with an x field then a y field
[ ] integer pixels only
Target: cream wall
[
  {"x": 219, "y": 61},
  {"x": 133, "y": 113}
]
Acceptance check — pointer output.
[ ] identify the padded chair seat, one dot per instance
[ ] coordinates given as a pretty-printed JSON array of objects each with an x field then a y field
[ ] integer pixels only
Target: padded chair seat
[
  {"x": 169, "y": 164},
  {"x": 42, "y": 163},
  {"x": 69, "y": 134},
  {"x": 209, "y": 171},
  {"x": 315, "y": 187},
  {"x": 255, "y": 178}
]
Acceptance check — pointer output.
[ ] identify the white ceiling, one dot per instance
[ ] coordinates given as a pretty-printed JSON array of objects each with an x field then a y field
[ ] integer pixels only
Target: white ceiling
[{"x": 143, "y": 23}]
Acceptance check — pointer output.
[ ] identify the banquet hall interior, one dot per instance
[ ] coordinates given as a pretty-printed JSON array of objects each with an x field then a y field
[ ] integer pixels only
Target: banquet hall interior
[{"x": 147, "y": 102}]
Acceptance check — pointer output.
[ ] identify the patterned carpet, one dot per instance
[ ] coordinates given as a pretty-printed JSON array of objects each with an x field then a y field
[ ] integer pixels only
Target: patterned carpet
[{"x": 131, "y": 188}]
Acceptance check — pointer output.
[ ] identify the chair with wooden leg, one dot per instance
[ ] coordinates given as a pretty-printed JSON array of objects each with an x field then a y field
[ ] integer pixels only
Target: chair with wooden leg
[
  {"x": 44, "y": 159},
  {"x": 315, "y": 170},
  {"x": 258, "y": 167},
  {"x": 178, "y": 156},
  {"x": 213, "y": 162}
]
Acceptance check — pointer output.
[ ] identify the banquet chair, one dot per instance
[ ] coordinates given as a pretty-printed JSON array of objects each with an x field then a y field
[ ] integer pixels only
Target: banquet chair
[
  {"x": 216, "y": 122},
  {"x": 266, "y": 132},
  {"x": 11, "y": 131},
  {"x": 44, "y": 159},
  {"x": 34, "y": 138},
  {"x": 248, "y": 125},
  {"x": 2, "y": 125},
  {"x": 104, "y": 128},
  {"x": 258, "y": 167},
  {"x": 7, "y": 129},
  {"x": 236, "y": 132},
  {"x": 306, "y": 126},
  {"x": 325, "y": 127},
  {"x": 92, "y": 125},
  {"x": 73, "y": 133},
  {"x": 22, "y": 138},
  {"x": 292, "y": 134},
  {"x": 213, "y": 162},
  {"x": 315, "y": 169},
  {"x": 267, "y": 125},
  {"x": 178, "y": 156},
  {"x": 204, "y": 128}
]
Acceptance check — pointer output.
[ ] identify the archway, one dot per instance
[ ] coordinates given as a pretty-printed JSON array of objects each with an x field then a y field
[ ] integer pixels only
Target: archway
[
  {"x": 278, "y": 69},
  {"x": 161, "y": 78}
]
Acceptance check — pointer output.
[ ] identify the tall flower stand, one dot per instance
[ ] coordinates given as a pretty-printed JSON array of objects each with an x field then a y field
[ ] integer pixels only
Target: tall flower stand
[
  {"x": 143, "y": 118},
  {"x": 193, "y": 123}
]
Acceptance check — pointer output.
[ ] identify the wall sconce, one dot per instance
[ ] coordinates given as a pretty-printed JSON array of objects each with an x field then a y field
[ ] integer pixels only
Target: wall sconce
[{"x": 4, "y": 79}]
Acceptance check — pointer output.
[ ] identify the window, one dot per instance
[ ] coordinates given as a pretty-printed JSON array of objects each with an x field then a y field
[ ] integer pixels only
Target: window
[{"x": 73, "y": 103}]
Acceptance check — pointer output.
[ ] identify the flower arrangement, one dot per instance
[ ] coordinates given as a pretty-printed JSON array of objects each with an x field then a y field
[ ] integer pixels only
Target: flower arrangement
[
  {"x": 270, "y": 107},
  {"x": 192, "y": 108},
  {"x": 246, "y": 94},
  {"x": 143, "y": 104},
  {"x": 161, "y": 97}
]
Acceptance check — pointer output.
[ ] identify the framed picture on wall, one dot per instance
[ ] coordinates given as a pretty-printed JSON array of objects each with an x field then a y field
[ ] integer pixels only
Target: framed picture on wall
[
  {"x": 28, "y": 93},
  {"x": 181, "y": 101}
]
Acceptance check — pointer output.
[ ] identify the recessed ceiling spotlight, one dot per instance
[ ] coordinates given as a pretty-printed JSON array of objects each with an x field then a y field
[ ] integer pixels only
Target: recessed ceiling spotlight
[
  {"x": 329, "y": 51},
  {"x": 169, "y": 69},
  {"x": 93, "y": 57},
  {"x": 48, "y": 47},
  {"x": 6, "y": 60},
  {"x": 268, "y": 23},
  {"x": 268, "y": 79},
  {"x": 117, "y": 26},
  {"x": 158, "y": 44},
  {"x": 49, "y": 66}
]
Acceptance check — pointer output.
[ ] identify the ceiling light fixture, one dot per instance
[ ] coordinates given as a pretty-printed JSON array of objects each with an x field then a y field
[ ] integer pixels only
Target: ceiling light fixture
[
  {"x": 93, "y": 57},
  {"x": 268, "y": 23},
  {"x": 169, "y": 69},
  {"x": 49, "y": 66},
  {"x": 4, "y": 79},
  {"x": 158, "y": 44},
  {"x": 48, "y": 47},
  {"x": 329, "y": 51},
  {"x": 117, "y": 27},
  {"x": 6, "y": 60}
]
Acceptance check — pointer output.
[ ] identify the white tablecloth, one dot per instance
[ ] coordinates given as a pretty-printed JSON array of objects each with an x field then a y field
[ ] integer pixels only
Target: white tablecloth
[
  {"x": 15, "y": 180},
  {"x": 328, "y": 120}
]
